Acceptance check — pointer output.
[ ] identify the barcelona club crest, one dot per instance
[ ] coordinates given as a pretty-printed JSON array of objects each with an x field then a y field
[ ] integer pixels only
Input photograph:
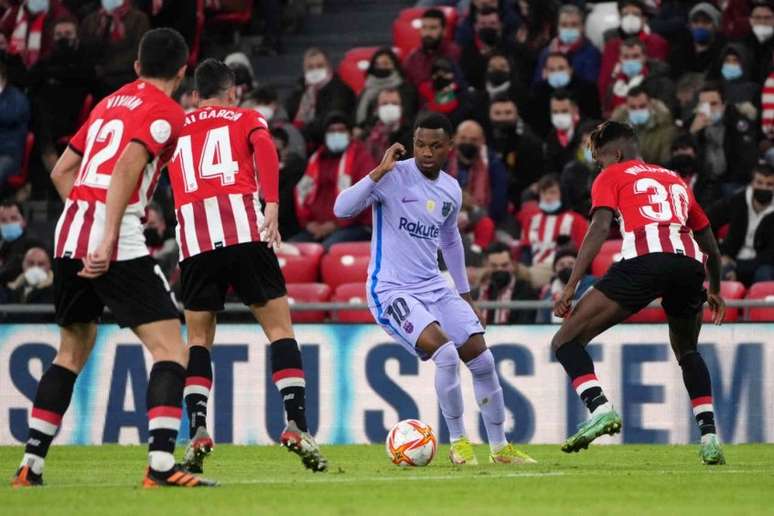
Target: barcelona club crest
[
  {"x": 447, "y": 207},
  {"x": 430, "y": 205}
]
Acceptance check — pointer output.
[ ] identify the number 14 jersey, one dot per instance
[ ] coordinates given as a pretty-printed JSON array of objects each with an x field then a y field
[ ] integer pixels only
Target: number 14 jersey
[
  {"x": 657, "y": 211},
  {"x": 138, "y": 112}
]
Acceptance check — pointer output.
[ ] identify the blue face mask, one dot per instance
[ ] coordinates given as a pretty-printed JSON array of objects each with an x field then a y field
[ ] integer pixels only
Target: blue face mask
[
  {"x": 731, "y": 71},
  {"x": 568, "y": 36},
  {"x": 111, "y": 5},
  {"x": 716, "y": 117},
  {"x": 631, "y": 67},
  {"x": 587, "y": 156},
  {"x": 639, "y": 116},
  {"x": 336, "y": 142},
  {"x": 550, "y": 206},
  {"x": 37, "y": 6},
  {"x": 558, "y": 79},
  {"x": 701, "y": 35},
  {"x": 11, "y": 231}
]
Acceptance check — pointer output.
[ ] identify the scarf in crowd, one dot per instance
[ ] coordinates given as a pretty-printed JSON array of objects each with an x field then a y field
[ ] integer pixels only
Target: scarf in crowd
[
  {"x": 500, "y": 314},
  {"x": 306, "y": 108},
  {"x": 477, "y": 181},
  {"x": 114, "y": 21},
  {"x": 373, "y": 85},
  {"x": 306, "y": 189},
  {"x": 622, "y": 84},
  {"x": 27, "y": 36},
  {"x": 379, "y": 139}
]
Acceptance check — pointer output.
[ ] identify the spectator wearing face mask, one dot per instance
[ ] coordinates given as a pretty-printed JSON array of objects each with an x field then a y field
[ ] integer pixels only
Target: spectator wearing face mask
[
  {"x": 505, "y": 280},
  {"x": 383, "y": 72},
  {"x": 264, "y": 100},
  {"x": 59, "y": 85},
  {"x": 320, "y": 93},
  {"x": 336, "y": 165},
  {"x": 291, "y": 169},
  {"x": 489, "y": 39},
  {"x": 632, "y": 70},
  {"x": 634, "y": 24},
  {"x": 760, "y": 40},
  {"x": 389, "y": 126},
  {"x": 112, "y": 35},
  {"x": 559, "y": 75},
  {"x": 466, "y": 30},
  {"x": 733, "y": 73},
  {"x": 27, "y": 27},
  {"x": 748, "y": 249},
  {"x": 578, "y": 174},
  {"x": 160, "y": 240},
  {"x": 443, "y": 93},
  {"x": 562, "y": 140},
  {"x": 683, "y": 159},
  {"x": 501, "y": 80},
  {"x": 418, "y": 64},
  {"x": 696, "y": 49},
  {"x": 564, "y": 262},
  {"x": 653, "y": 123},
  {"x": 728, "y": 147},
  {"x": 35, "y": 284},
  {"x": 14, "y": 241},
  {"x": 572, "y": 42},
  {"x": 516, "y": 145},
  {"x": 548, "y": 229},
  {"x": 14, "y": 120}
]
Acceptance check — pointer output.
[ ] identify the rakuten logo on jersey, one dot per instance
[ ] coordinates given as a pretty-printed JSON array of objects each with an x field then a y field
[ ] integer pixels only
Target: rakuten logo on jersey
[{"x": 419, "y": 230}]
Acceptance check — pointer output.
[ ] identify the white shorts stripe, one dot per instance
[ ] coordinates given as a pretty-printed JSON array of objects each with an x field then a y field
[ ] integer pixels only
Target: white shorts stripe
[
  {"x": 706, "y": 407},
  {"x": 196, "y": 389},
  {"x": 586, "y": 386},
  {"x": 651, "y": 235},
  {"x": 240, "y": 218},
  {"x": 214, "y": 224},
  {"x": 168, "y": 423},
  {"x": 42, "y": 426},
  {"x": 189, "y": 229},
  {"x": 290, "y": 382}
]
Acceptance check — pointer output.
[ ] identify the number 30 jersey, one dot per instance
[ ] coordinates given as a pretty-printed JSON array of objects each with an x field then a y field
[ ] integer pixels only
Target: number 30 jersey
[
  {"x": 138, "y": 112},
  {"x": 657, "y": 211},
  {"x": 215, "y": 179}
]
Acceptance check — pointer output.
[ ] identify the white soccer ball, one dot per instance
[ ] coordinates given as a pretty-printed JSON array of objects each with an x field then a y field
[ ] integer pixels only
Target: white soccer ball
[{"x": 411, "y": 443}]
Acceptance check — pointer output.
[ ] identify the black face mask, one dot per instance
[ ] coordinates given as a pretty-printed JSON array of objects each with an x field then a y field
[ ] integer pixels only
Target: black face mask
[
  {"x": 467, "y": 150},
  {"x": 488, "y": 36},
  {"x": 152, "y": 238},
  {"x": 683, "y": 164},
  {"x": 503, "y": 130},
  {"x": 564, "y": 274},
  {"x": 64, "y": 45},
  {"x": 497, "y": 77},
  {"x": 440, "y": 82},
  {"x": 381, "y": 73},
  {"x": 429, "y": 43},
  {"x": 500, "y": 279},
  {"x": 763, "y": 196}
]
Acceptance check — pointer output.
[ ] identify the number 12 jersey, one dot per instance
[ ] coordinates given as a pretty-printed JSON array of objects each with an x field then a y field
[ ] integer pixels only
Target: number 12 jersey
[{"x": 657, "y": 211}]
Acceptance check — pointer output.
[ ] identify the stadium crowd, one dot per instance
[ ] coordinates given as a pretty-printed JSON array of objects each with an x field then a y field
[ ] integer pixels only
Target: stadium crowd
[{"x": 521, "y": 81}]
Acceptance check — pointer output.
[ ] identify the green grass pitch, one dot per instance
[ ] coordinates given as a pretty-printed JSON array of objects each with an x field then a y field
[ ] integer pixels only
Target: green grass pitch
[{"x": 625, "y": 480}]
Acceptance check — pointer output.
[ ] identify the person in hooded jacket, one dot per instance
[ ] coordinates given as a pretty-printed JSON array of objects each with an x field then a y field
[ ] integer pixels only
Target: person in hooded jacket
[
  {"x": 384, "y": 71},
  {"x": 733, "y": 71}
]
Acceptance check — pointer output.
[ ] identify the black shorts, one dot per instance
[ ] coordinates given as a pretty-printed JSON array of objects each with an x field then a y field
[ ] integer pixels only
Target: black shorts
[
  {"x": 136, "y": 291},
  {"x": 251, "y": 269},
  {"x": 676, "y": 279}
]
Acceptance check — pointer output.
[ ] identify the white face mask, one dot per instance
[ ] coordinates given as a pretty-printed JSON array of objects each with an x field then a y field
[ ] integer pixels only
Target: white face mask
[
  {"x": 562, "y": 121},
  {"x": 763, "y": 32},
  {"x": 111, "y": 5},
  {"x": 631, "y": 24},
  {"x": 35, "y": 275},
  {"x": 266, "y": 111},
  {"x": 389, "y": 113},
  {"x": 37, "y": 6},
  {"x": 315, "y": 75}
]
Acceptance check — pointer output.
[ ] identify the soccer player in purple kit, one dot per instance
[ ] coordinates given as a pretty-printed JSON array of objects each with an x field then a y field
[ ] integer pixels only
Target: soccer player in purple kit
[{"x": 415, "y": 208}]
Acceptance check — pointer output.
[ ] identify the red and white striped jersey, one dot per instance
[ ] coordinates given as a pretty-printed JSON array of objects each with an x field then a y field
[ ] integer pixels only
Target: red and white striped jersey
[
  {"x": 543, "y": 229},
  {"x": 657, "y": 211},
  {"x": 215, "y": 179},
  {"x": 138, "y": 112}
]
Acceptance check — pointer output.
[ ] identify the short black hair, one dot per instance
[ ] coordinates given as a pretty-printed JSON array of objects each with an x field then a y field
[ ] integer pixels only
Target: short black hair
[
  {"x": 213, "y": 77},
  {"x": 497, "y": 248},
  {"x": 547, "y": 182},
  {"x": 563, "y": 94},
  {"x": 610, "y": 131},
  {"x": 10, "y": 203},
  {"x": 502, "y": 97},
  {"x": 436, "y": 14},
  {"x": 634, "y": 41},
  {"x": 487, "y": 10},
  {"x": 385, "y": 51},
  {"x": 763, "y": 169},
  {"x": 560, "y": 55},
  {"x": 433, "y": 120},
  {"x": 337, "y": 117},
  {"x": 636, "y": 3},
  {"x": 682, "y": 141},
  {"x": 162, "y": 53},
  {"x": 264, "y": 94},
  {"x": 713, "y": 86},
  {"x": 637, "y": 91}
]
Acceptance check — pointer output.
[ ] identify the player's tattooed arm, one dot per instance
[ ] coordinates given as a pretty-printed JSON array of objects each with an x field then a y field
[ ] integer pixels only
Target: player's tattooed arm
[
  {"x": 391, "y": 156},
  {"x": 64, "y": 172},
  {"x": 709, "y": 246}
]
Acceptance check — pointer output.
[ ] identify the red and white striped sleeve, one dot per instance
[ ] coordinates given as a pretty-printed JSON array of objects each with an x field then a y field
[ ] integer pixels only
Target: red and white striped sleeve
[{"x": 767, "y": 106}]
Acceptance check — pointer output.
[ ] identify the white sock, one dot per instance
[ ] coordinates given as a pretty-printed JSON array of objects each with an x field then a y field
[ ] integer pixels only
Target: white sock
[
  {"x": 489, "y": 396},
  {"x": 707, "y": 437},
  {"x": 34, "y": 462},
  {"x": 161, "y": 461},
  {"x": 605, "y": 407},
  {"x": 447, "y": 387}
]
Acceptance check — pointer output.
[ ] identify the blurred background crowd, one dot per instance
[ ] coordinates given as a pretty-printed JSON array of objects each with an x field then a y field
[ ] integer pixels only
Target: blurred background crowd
[{"x": 523, "y": 82}]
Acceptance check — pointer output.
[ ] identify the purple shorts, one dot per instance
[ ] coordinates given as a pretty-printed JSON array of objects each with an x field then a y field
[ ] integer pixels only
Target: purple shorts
[{"x": 404, "y": 315}]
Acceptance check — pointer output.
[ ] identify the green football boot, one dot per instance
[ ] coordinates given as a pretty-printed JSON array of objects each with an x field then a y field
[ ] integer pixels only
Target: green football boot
[
  {"x": 710, "y": 451},
  {"x": 606, "y": 423}
]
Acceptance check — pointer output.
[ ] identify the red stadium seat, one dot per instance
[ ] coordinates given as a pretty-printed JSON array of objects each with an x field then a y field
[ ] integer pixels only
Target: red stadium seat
[
  {"x": 405, "y": 29},
  {"x": 308, "y": 293},
  {"x": 608, "y": 254},
  {"x": 352, "y": 248},
  {"x": 729, "y": 290},
  {"x": 232, "y": 19},
  {"x": 337, "y": 270},
  {"x": 351, "y": 293},
  {"x": 761, "y": 290},
  {"x": 20, "y": 179},
  {"x": 298, "y": 269},
  {"x": 353, "y": 66}
]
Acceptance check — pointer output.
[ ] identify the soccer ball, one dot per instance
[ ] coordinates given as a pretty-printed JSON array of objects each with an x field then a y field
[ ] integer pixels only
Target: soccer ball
[{"x": 411, "y": 443}]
